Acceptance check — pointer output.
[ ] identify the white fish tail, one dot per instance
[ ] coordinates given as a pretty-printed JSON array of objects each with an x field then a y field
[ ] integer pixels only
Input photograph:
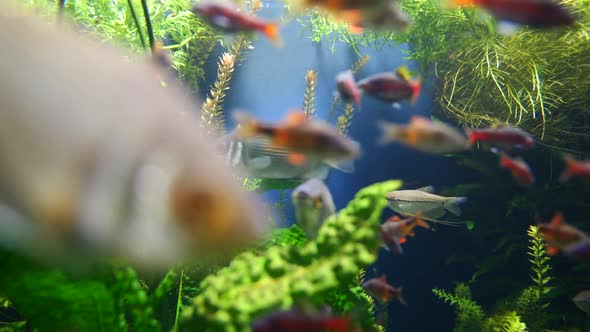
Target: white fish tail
[
  {"x": 452, "y": 204},
  {"x": 389, "y": 132}
]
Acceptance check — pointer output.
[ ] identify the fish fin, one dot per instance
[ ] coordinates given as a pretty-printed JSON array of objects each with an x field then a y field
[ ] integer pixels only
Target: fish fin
[
  {"x": 404, "y": 73},
  {"x": 343, "y": 166},
  {"x": 420, "y": 120},
  {"x": 389, "y": 132},
  {"x": 557, "y": 220},
  {"x": 402, "y": 240},
  {"x": 552, "y": 250},
  {"x": 396, "y": 248},
  {"x": 296, "y": 159},
  {"x": 452, "y": 204},
  {"x": 247, "y": 125},
  {"x": 412, "y": 234},
  {"x": 399, "y": 296},
  {"x": 570, "y": 166},
  {"x": 295, "y": 118},
  {"x": 416, "y": 87},
  {"x": 260, "y": 162},
  {"x": 427, "y": 189},
  {"x": 471, "y": 136},
  {"x": 271, "y": 30},
  {"x": 394, "y": 218},
  {"x": 420, "y": 222}
]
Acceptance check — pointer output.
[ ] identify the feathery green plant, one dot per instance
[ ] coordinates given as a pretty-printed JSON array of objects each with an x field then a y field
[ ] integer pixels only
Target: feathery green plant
[
  {"x": 311, "y": 78},
  {"x": 470, "y": 316},
  {"x": 283, "y": 276},
  {"x": 345, "y": 120},
  {"x": 505, "y": 322},
  {"x": 539, "y": 262},
  {"x": 532, "y": 78}
]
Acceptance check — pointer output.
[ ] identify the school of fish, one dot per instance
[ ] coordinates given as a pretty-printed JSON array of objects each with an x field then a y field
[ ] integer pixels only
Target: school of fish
[{"x": 121, "y": 168}]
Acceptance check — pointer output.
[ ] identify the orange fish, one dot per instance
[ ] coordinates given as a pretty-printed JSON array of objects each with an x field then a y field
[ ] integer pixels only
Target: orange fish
[
  {"x": 229, "y": 19},
  {"x": 575, "y": 168},
  {"x": 297, "y": 321},
  {"x": 521, "y": 172},
  {"x": 384, "y": 292},
  {"x": 395, "y": 230},
  {"x": 305, "y": 139},
  {"x": 560, "y": 235},
  {"x": 392, "y": 87}
]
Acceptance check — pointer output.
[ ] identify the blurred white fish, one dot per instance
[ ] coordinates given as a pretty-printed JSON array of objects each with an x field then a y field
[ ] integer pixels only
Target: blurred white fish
[
  {"x": 313, "y": 204},
  {"x": 97, "y": 158},
  {"x": 410, "y": 202},
  {"x": 582, "y": 301}
]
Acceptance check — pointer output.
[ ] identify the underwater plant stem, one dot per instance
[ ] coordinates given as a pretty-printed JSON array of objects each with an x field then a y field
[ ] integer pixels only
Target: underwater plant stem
[
  {"x": 179, "y": 300},
  {"x": 148, "y": 23},
  {"x": 134, "y": 14}
]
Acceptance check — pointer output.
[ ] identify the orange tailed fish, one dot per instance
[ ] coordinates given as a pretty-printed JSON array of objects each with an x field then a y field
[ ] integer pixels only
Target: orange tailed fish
[
  {"x": 559, "y": 235},
  {"x": 395, "y": 230},
  {"x": 424, "y": 135},
  {"x": 575, "y": 169},
  {"x": 118, "y": 167},
  {"x": 392, "y": 87},
  {"x": 230, "y": 19},
  {"x": 534, "y": 13},
  {"x": 520, "y": 170},
  {"x": 304, "y": 138},
  {"x": 299, "y": 321},
  {"x": 381, "y": 290},
  {"x": 505, "y": 137}
]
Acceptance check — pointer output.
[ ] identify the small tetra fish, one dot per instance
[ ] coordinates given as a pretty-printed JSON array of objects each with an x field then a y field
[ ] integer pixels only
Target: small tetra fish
[
  {"x": 346, "y": 86},
  {"x": 395, "y": 230},
  {"x": 390, "y": 87},
  {"x": 313, "y": 204},
  {"x": 559, "y": 235},
  {"x": 381, "y": 290},
  {"x": 257, "y": 158},
  {"x": 424, "y": 135},
  {"x": 534, "y": 13},
  {"x": 575, "y": 168},
  {"x": 303, "y": 138},
  {"x": 298, "y": 321},
  {"x": 582, "y": 301},
  {"x": 410, "y": 202},
  {"x": 520, "y": 170},
  {"x": 230, "y": 19},
  {"x": 504, "y": 137}
]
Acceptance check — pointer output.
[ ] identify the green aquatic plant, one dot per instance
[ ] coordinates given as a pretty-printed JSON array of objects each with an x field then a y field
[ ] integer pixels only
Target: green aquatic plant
[
  {"x": 539, "y": 262},
  {"x": 470, "y": 316},
  {"x": 345, "y": 120},
  {"x": 533, "y": 78},
  {"x": 505, "y": 322},
  {"x": 253, "y": 285},
  {"x": 311, "y": 78}
]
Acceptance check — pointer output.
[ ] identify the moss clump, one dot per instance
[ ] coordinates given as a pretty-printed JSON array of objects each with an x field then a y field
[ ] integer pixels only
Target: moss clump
[
  {"x": 254, "y": 285},
  {"x": 534, "y": 79}
]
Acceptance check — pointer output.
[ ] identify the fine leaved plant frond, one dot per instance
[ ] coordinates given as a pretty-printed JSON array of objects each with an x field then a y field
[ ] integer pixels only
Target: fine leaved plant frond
[
  {"x": 212, "y": 118},
  {"x": 309, "y": 94}
]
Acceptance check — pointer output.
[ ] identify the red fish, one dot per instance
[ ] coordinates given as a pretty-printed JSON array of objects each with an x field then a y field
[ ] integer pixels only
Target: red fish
[
  {"x": 560, "y": 235},
  {"x": 395, "y": 230},
  {"x": 297, "y": 321},
  {"x": 521, "y": 172},
  {"x": 504, "y": 137},
  {"x": 229, "y": 19},
  {"x": 575, "y": 168},
  {"x": 534, "y": 13},
  {"x": 347, "y": 88},
  {"x": 384, "y": 292},
  {"x": 391, "y": 87}
]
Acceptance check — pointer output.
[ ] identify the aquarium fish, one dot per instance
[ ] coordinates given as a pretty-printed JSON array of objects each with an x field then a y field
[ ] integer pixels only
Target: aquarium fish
[
  {"x": 410, "y": 202},
  {"x": 116, "y": 167},
  {"x": 504, "y": 137},
  {"x": 575, "y": 168},
  {"x": 394, "y": 231},
  {"x": 313, "y": 204},
  {"x": 579, "y": 250},
  {"x": 558, "y": 234},
  {"x": 520, "y": 170},
  {"x": 582, "y": 301},
  {"x": 390, "y": 87},
  {"x": 230, "y": 19},
  {"x": 256, "y": 157},
  {"x": 304, "y": 139},
  {"x": 299, "y": 321},
  {"x": 533, "y": 13},
  {"x": 386, "y": 18},
  {"x": 347, "y": 89},
  {"x": 424, "y": 135},
  {"x": 381, "y": 290}
]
